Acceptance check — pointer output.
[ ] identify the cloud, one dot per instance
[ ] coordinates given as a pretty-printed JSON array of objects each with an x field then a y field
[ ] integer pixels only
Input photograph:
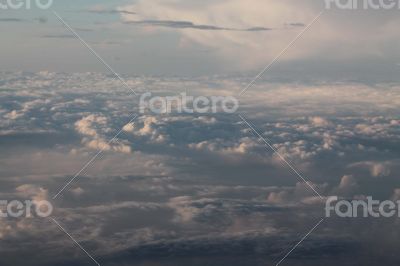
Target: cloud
[
  {"x": 42, "y": 20},
  {"x": 149, "y": 126},
  {"x": 319, "y": 122},
  {"x": 78, "y": 191},
  {"x": 13, "y": 115},
  {"x": 210, "y": 187},
  {"x": 231, "y": 28},
  {"x": 297, "y": 24},
  {"x": 182, "y": 206},
  {"x": 34, "y": 192},
  {"x": 376, "y": 169},
  {"x": 232, "y": 247},
  {"x": 58, "y": 36},
  {"x": 348, "y": 185},
  {"x": 100, "y": 10},
  {"x": 396, "y": 194},
  {"x": 11, "y": 20},
  {"x": 87, "y": 126},
  {"x": 347, "y": 182},
  {"x": 245, "y": 50},
  {"x": 191, "y": 25}
]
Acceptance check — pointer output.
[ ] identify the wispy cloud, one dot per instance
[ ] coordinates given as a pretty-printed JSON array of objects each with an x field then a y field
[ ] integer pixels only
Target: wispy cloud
[
  {"x": 295, "y": 24},
  {"x": 112, "y": 11},
  {"x": 177, "y": 24},
  {"x": 58, "y": 36},
  {"x": 11, "y": 20}
]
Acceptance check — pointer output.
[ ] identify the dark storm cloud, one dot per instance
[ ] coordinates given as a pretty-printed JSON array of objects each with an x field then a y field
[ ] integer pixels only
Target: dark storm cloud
[{"x": 190, "y": 25}]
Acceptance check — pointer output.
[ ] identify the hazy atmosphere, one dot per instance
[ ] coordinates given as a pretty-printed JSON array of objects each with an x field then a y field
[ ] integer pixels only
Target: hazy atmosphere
[{"x": 185, "y": 132}]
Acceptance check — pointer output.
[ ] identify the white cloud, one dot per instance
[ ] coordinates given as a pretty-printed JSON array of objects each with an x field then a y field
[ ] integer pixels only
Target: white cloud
[
  {"x": 248, "y": 48},
  {"x": 319, "y": 121},
  {"x": 183, "y": 209},
  {"x": 88, "y": 126},
  {"x": 85, "y": 125},
  {"x": 379, "y": 170},
  {"x": 376, "y": 169},
  {"x": 77, "y": 191},
  {"x": 13, "y": 115},
  {"x": 36, "y": 193},
  {"x": 347, "y": 186},
  {"x": 255, "y": 49},
  {"x": 148, "y": 126},
  {"x": 396, "y": 194}
]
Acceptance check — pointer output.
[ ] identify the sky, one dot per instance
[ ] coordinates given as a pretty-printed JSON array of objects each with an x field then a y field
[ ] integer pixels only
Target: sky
[
  {"x": 131, "y": 186},
  {"x": 245, "y": 36}
]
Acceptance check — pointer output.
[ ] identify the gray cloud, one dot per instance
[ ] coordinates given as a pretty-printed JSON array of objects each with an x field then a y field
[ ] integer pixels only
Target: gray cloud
[
  {"x": 111, "y": 12},
  {"x": 296, "y": 24},
  {"x": 194, "y": 186},
  {"x": 11, "y": 20},
  {"x": 190, "y": 25},
  {"x": 58, "y": 36},
  {"x": 42, "y": 20}
]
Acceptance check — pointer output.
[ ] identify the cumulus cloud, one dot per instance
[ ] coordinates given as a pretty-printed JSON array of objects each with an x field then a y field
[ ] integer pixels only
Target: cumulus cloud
[
  {"x": 376, "y": 169},
  {"x": 319, "y": 121},
  {"x": 189, "y": 176},
  {"x": 347, "y": 186},
  {"x": 13, "y": 115},
  {"x": 396, "y": 194},
  {"x": 299, "y": 194},
  {"x": 182, "y": 206},
  {"x": 32, "y": 191},
  {"x": 78, "y": 191},
  {"x": 148, "y": 127},
  {"x": 87, "y": 126}
]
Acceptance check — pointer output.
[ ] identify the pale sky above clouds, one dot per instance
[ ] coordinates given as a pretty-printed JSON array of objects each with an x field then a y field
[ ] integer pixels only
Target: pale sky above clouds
[{"x": 185, "y": 37}]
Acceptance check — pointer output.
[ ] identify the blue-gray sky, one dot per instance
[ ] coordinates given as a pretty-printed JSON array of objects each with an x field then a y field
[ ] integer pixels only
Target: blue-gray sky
[{"x": 185, "y": 38}]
